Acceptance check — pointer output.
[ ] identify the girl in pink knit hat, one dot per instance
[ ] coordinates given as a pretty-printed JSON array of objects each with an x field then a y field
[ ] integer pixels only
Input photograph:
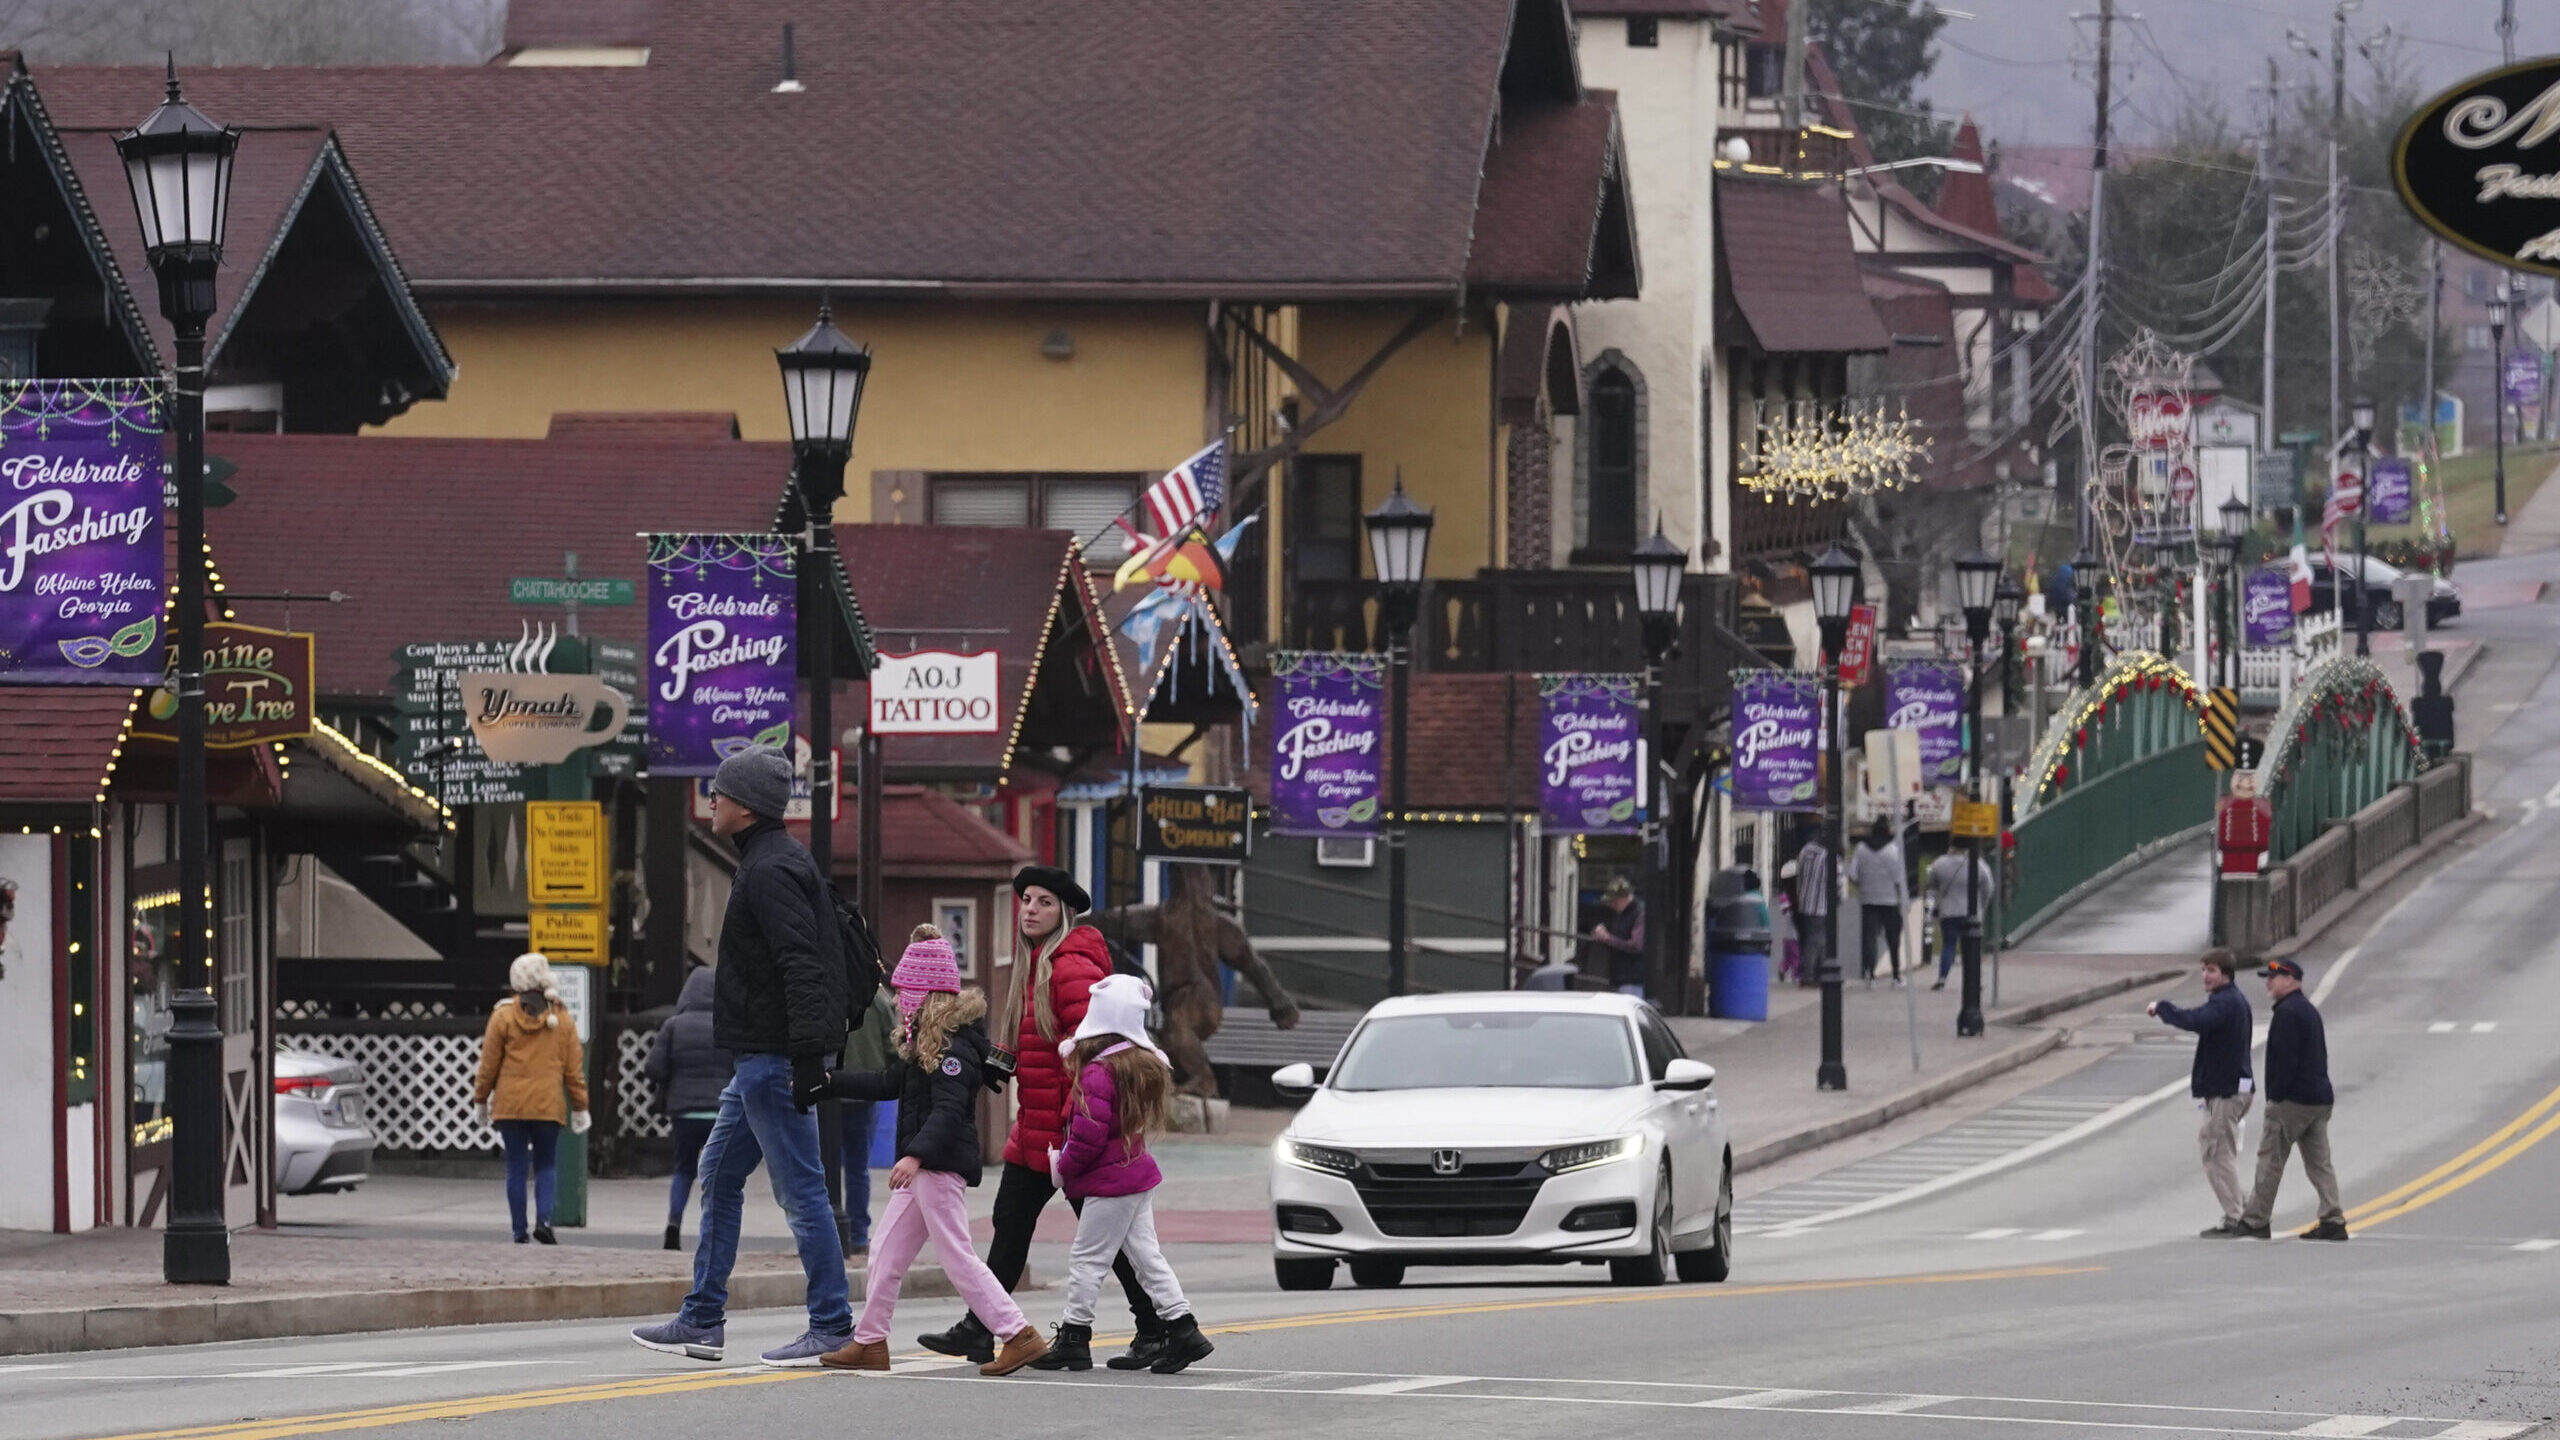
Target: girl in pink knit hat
[{"x": 941, "y": 1045}]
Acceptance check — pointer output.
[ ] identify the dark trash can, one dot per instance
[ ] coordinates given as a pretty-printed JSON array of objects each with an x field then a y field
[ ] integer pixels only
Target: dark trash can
[{"x": 1737, "y": 950}]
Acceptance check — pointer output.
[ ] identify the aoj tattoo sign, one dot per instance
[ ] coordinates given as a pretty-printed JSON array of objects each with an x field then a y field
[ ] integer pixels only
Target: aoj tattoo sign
[{"x": 2480, "y": 165}]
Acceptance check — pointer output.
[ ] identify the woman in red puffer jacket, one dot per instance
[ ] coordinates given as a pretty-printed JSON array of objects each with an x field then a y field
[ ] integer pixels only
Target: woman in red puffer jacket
[{"x": 1056, "y": 966}]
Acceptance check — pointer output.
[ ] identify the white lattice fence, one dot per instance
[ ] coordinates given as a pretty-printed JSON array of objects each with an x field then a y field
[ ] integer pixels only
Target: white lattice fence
[
  {"x": 639, "y": 1098},
  {"x": 418, "y": 1087}
]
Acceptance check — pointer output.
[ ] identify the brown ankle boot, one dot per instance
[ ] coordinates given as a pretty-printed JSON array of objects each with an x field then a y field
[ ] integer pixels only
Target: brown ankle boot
[
  {"x": 858, "y": 1355},
  {"x": 1020, "y": 1348}
]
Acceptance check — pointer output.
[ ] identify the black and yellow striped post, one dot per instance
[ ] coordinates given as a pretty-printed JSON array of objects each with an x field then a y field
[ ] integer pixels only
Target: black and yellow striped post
[{"x": 2222, "y": 727}]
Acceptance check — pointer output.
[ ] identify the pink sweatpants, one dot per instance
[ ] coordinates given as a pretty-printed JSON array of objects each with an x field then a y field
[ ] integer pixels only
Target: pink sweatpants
[{"x": 936, "y": 1205}]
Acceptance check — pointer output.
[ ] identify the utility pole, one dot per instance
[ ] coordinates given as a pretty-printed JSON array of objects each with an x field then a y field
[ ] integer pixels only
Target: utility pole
[
  {"x": 2267, "y": 174},
  {"x": 2507, "y": 30},
  {"x": 2093, "y": 282},
  {"x": 1791, "y": 103},
  {"x": 2337, "y": 200},
  {"x": 2435, "y": 306}
]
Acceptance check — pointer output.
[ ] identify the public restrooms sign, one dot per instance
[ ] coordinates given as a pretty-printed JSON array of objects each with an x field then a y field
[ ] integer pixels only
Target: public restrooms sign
[
  {"x": 2480, "y": 165},
  {"x": 83, "y": 576},
  {"x": 721, "y": 613}
]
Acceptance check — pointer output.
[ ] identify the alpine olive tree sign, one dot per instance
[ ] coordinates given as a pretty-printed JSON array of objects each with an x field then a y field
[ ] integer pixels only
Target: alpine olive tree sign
[
  {"x": 2480, "y": 165},
  {"x": 935, "y": 692}
]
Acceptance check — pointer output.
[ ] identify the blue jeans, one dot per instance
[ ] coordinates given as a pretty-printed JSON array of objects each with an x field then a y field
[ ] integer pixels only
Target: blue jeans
[
  {"x": 691, "y": 1134},
  {"x": 855, "y": 1162},
  {"x": 757, "y": 1123},
  {"x": 1951, "y": 933},
  {"x": 532, "y": 1145}
]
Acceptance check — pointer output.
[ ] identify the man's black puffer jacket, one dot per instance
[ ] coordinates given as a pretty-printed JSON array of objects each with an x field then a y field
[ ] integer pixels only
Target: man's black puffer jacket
[{"x": 783, "y": 987}]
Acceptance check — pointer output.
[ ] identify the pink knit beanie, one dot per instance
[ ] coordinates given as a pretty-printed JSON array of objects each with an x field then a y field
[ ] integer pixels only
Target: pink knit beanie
[{"x": 928, "y": 965}]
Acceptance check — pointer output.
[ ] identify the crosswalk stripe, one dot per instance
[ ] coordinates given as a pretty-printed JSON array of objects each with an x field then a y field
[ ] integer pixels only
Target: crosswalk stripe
[
  {"x": 2534, "y": 1245},
  {"x": 2054, "y": 1234},
  {"x": 2348, "y": 1425},
  {"x": 2441, "y": 1027},
  {"x": 1898, "y": 1405},
  {"x": 1998, "y": 1234},
  {"x": 2483, "y": 1027},
  {"x": 2481, "y": 1430},
  {"x": 1759, "y": 1399},
  {"x": 1403, "y": 1386}
]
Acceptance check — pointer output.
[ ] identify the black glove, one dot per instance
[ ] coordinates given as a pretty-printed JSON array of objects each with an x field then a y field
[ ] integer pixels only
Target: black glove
[{"x": 808, "y": 1081}]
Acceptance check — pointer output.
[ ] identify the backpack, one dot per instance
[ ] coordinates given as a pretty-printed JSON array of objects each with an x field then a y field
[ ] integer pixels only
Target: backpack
[
  {"x": 863, "y": 965},
  {"x": 1125, "y": 960}
]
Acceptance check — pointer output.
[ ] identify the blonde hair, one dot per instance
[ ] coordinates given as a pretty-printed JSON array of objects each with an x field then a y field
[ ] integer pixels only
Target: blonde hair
[
  {"x": 942, "y": 1012},
  {"x": 1142, "y": 1081},
  {"x": 927, "y": 931}
]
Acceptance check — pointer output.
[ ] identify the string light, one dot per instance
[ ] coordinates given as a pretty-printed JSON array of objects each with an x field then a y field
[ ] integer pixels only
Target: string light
[
  {"x": 2066, "y": 736},
  {"x": 1817, "y": 450}
]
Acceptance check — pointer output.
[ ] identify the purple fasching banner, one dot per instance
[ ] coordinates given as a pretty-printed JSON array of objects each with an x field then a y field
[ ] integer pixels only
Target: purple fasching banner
[
  {"x": 2523, "y": 378},
  {"x": 2266, "y": 606},
  {"x": 1589, "y": 782},
  {"x": 2387, "y": 490},
  {"x": 1777, "y": 723},
  {"x": 1928, "y": 696},
  {"x": 721, "y": 613},
  {"x": 1326, "y": 743},
  {"x": 83, "y": 572}
]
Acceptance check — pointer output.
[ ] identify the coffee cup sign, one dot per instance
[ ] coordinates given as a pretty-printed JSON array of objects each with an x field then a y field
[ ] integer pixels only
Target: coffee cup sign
[
  {"x": 935, "y": 692},
  {"x": 522, "y": 719}
]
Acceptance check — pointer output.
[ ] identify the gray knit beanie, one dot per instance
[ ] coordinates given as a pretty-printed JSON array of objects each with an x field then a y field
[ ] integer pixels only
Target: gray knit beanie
[{"x": 758, "y": 778}]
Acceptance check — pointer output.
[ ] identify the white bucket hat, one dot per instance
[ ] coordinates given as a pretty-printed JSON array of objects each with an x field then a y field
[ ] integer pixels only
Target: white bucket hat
[{"x": 1117, "y": 1005}]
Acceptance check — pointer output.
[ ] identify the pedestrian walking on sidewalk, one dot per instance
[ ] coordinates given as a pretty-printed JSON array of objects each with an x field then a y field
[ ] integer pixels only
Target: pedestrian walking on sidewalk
[
  {"x": 689, "y": 1069},
  {"x": 783, "y": 988},
  {"x": 1121, "y": 1085},
  {"x": 532, "y": 1080},
  {"x": 1620, "y": 932},
  {"x": 1813, "y": 908},
  {"x": 1952, "y": 886},
  {"x": 935, "y": 1075},
  {"x": 1875, "y": 867},
  {"x": 2220, "y": 1081},
  {"x": 1056, "y": 964},
  {"x": 871, "y": 1047},
  {"x": 2299, "y": 1098}
]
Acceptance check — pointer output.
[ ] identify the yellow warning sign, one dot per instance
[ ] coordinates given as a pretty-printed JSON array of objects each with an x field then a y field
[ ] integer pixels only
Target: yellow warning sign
[
  {"x": 1975, "y": 820},
  {"x": 2222, "y": 728},
  {"x": 565, "y": 852}
]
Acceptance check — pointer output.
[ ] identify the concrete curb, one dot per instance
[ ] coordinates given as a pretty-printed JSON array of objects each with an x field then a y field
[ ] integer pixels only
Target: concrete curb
[
  {"x": 1894, "y": 1107},
  {"x": 2374, "y": 886},
  {"x": 197, "y": 1322},
  {"x": 2030, "y": 1014}
]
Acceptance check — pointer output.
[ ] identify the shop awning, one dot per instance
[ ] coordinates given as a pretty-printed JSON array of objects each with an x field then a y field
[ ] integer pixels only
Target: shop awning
[{"x": 1790, "y": 267}]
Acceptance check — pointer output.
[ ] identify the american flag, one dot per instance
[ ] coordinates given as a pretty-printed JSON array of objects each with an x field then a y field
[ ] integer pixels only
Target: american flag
[{"x": 1189, "y": 491}]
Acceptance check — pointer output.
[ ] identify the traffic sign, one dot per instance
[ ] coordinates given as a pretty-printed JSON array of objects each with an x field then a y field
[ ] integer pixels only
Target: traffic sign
[
  {"x": 1860, "y": 648},
  {"x": 573, "y": 936},
  {"x": 1975, "y": 820},
  {"x": 539, "y": 590},
  {"x": 565, "y": 852},
  {"x": 2221, "y": 722}
]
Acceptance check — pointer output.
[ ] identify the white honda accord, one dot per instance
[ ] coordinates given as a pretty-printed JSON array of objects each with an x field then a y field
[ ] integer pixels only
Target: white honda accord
[{"x": 1504, "y": 1129}]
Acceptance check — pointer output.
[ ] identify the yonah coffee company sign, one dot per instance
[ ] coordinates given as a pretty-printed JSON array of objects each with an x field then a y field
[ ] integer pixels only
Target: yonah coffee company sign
[
  {"x": 2480, "y": 165},
  {"x": 935, "y": 692},
  {"x": 524, "y": 719}
]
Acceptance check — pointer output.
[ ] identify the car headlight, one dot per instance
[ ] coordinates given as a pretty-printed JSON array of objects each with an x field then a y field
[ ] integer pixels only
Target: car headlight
[
  {"x": 1323, "y": 1159},
  {"x": 1583, "y": 1157}
]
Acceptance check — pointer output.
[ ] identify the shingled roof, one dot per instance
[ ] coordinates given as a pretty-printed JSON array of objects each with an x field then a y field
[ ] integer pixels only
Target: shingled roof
[{"x": 1286, "y": 149}]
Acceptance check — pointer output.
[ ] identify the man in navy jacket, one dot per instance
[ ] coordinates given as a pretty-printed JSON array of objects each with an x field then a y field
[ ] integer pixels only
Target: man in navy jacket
[
  {"x": 2220, "y": 1081},
  {"x": 2298, "y": 1101}
]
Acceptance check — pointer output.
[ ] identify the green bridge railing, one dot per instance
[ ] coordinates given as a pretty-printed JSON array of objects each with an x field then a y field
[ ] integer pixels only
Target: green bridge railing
[{"x": 2071, "y": 841}]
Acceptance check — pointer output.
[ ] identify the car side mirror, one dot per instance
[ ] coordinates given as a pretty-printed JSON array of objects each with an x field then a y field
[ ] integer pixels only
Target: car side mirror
[
  {"x": 1686, "y": 1074},
  {"x": 1297, "y": 1081}
]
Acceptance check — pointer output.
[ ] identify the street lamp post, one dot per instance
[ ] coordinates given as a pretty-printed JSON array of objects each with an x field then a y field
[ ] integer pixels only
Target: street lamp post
[
  {"x": 2498, "y": 394},
  {"x": 2084, "y": 593},
  {"x": 2006, "y": 603},
  {"x": 2360, "y": 434},
  {"x": 1835, "y": 584},
  {"x": 1658, "y": 567},
  {"x": 1399, "y": 541},
  {"x": 823, "y": 375},
  {"x": 2236, "y": 522},
  {"x": 1977, "y": 580},
  {"x": 178, "y": 164}
]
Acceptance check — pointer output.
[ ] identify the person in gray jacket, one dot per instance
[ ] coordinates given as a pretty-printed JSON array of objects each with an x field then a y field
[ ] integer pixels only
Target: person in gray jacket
[
  {"x": 1875, "y": 867},
  {"x": 689, "y": 1069}
]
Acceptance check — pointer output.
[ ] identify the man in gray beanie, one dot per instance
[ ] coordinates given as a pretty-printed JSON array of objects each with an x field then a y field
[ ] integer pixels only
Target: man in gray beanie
[{"x": 779, "y": 1002}]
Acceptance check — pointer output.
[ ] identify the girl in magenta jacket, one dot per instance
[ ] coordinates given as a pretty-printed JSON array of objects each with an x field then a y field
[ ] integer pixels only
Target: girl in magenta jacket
[{"x": 1122, "y": 1082}]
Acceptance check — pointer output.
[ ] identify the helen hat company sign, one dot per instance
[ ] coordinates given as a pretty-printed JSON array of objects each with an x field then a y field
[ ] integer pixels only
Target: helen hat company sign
[
  {"x": 2480, "y": 165},
  {"x": 934, "y": 692},
  {"x": 524, "y": 719}
]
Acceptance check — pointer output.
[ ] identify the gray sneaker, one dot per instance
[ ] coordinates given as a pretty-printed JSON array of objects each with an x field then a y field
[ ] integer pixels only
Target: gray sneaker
[
  {"x": 803, "y": 1353},
  {"x": 693, "y": 1342}
]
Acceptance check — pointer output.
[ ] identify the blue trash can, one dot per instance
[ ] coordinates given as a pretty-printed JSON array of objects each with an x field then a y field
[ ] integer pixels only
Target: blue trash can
[
  {"x": 884, "y": 1134},
  {"x": 1738, "y": 958}
]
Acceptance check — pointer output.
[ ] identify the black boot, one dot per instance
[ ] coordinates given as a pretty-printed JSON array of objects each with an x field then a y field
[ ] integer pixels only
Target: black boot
[
  {"x": 1070, "y": 1348},
  {"x": 1145, "y": 1349},
  {"x": 970, "y": 1340},
  {"x": 1183, "y": 1344},
  {"x": 542, "y": 1236},
  {"x": 675, "y": 1236}
]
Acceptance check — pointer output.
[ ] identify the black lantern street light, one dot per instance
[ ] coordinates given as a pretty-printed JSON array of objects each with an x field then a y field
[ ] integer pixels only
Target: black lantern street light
[
  {"x": 2084, "y": 594},
  {"x": 2007, "y": 603},
  {"x": 823, "y": 374},
  {"x": 2360, "y": 435},
  {"x": 1835, "y": 587},
  {"x": 179, "y": 166},
  {"x": 1399, "y": 542},
  {"x": 2237, "y": 520},
  {"x": 2498, "y": 393},
  {"x": 1977, "y": 584},
  {"x": 1658, "y": 567}
]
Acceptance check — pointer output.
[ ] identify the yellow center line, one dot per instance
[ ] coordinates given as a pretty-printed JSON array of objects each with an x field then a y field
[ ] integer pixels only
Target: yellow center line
[
  {"x": 2369, "y": 1211},
  {"x": 2530, "y": 1139}
]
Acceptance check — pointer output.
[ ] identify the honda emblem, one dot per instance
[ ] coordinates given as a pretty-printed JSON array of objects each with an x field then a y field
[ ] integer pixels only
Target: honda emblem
[{"x": 1447, "y": 1162}]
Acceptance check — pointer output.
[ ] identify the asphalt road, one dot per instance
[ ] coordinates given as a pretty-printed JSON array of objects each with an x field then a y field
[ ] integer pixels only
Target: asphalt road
[{"x": 2022, "y": 1266}]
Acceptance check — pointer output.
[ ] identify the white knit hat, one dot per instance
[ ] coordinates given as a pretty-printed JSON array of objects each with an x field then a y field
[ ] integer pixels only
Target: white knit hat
[
  {"x": 530, "y": 971},
  {"x": 1117, "y": 1005}
]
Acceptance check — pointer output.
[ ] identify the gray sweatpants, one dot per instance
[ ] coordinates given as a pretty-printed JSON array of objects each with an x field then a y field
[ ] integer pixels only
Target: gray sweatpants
[
  {"x": 1120, "y": 1225},
  {"x": 2287, "y": 1125},
  {"x": 2219, "y": 1142}
]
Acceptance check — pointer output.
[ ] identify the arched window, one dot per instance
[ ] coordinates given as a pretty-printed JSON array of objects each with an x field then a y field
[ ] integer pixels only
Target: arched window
[{"x": 1613, "y": 441}]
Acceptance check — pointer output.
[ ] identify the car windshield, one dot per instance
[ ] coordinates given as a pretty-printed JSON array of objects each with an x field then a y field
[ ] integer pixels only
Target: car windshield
[{"x": 1528, "y": 1049}]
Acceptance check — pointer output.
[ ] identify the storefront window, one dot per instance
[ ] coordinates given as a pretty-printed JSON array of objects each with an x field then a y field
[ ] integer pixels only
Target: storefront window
[{"x": 151, "y": 969}]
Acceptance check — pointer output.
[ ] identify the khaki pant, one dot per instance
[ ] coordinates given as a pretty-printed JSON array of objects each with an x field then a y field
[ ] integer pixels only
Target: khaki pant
[
  {"x": 2287, "y": 1125},
  {"x": 2219, "y": 1142}
]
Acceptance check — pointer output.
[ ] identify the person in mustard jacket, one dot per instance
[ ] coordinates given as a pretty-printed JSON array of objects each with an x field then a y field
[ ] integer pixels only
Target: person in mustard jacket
[{"x": 529, "y": 1060}]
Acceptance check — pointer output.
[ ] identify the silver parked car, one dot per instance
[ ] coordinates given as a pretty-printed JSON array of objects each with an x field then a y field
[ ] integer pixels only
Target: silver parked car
[{"x": 322, "y": 1141}]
